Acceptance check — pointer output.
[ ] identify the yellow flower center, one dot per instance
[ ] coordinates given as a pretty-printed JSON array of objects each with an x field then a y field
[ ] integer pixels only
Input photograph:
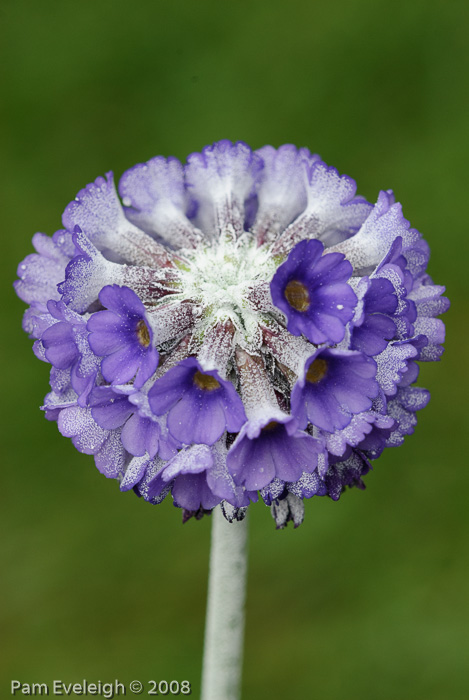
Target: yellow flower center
[
  {"x": 143, "y": 334},
  {"x": 316, "y": 371},
  {"x": 270, "y": 426},
  {"x": 297, "y": 295},
  {"x": 206, "y": 381}
]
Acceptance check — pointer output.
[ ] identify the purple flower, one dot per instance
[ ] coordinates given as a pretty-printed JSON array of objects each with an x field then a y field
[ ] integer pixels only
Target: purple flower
[
  {"x": 312, "y": 291},
  {"x": 200, "y": 404},
  {"x": 376, "y": 326},
  {"x": 198, "y": 479},
  {"x": 140, "y": 434},
  {"x": 123, "y": 336},
  {"x": 241, "y": 323},
  {"x": 66, "y": 347},
  {"x": 335, "y": 385},
  {"x": 273, "y": 448}
]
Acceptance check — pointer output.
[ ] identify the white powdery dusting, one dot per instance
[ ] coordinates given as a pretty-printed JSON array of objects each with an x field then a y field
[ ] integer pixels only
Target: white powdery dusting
[
  {"x": 225, "y": 609},
  {"x": 274, "y": 489},
  {"x": 434, "y": 330},
  {"x": 371, "y": 243},
  {"x": 308, "y": 483},
  {"x": 394, "y": 274},
  {"x": 392, "y": 364},
  {"x": 360, "y": 426},
  {"x": 40, "y": 273},
  {"x": 170, "y": 321},
  {"x": 134, "y": 472},
  {"x": 189, "y": 460},
  {"x": 98, "y": 212},
  {"x": 78, "y": 423},
  {"x": 220, "y": 278},
  {"x": 257, "y": 392},
  {"x": 61, "y": 400},
  {"x": 292, "y": 351},
  {"x": 413, "y": 398},
  {"x": 60, "y": 380},
  {"x": 405, "y": 420},
  {"x": 110, "y": 459}
]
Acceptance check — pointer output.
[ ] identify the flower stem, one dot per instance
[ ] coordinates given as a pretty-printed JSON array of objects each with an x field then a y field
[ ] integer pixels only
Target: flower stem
[{"x": 224, "y": 631}]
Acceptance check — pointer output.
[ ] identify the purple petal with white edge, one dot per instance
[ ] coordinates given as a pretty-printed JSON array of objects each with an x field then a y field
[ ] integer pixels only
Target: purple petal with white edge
[
  {"x": 89, "y": 271},
  {"x": 410, "y": 375},
  {"x": 220, "y": 481},
  {"x": 429, "y": 303},
  {"x": 402, "y": 408},
  {"x": 65, "y": 345},
  {"x": 110, "y": 459},
  {"x": 36, "y": 320},
  {"x": 99, "y": 214},
  {"x": 220, "y": 179},
  {"x": 359, "y": 427},
  {"x": 282, "y": 189},
  {"x": 417, "y": 256},
  {"x": 156, "y": 200},
  {"x": 190, "y": 460},
  {"x": 427, "y": 297},
  {"x": 308, "y": 485},
  {"x": 78, "y": 423},
  {"x": 40, "y": 273},
  {"x": 134, "y": 472},
  {"x": 272, "y": 491},
  {"x": 346, "y": 473},
  {"x": 60, "y": 380},
  {"x": 157, "y": 437},
  {"x": 188, "y": 469},
  {"x": 371, "y": 243},
  {"x": 332, "y": 212},
  {"x": 392, "y": 365},
  {"x": 151, "y": 486}
]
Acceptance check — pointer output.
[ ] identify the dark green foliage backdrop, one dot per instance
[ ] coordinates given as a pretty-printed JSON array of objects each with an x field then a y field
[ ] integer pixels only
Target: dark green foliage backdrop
[{"x": 368, "y": 599}]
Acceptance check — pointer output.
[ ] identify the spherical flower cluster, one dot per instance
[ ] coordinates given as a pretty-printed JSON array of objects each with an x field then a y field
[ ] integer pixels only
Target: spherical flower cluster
[{"x": 240, "y": 325}]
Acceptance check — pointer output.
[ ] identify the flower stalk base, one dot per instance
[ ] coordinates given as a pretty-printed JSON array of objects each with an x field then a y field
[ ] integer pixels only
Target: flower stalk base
[{"x": 223, "y": 649}]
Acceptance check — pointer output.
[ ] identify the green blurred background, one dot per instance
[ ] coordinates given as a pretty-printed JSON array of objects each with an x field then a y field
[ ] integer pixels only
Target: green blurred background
[{"x": 369, "y": 598}]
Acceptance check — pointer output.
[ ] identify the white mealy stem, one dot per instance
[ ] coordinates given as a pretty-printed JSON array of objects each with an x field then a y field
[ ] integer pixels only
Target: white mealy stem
[
  {"x": 257, "y": 392},
  {"x": 224, "y": 632}
]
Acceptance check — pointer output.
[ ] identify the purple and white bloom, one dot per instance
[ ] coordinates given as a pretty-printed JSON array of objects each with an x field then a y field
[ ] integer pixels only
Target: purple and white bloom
[
  {"x": 238, "y": 325},
  {"x": 200, "y": 405},
  {"x": 122, "y": 335},
  {"x": 335, "y": 385},
  {"x": 262, "y": 452},
  {"x": 311, "y": 289}
]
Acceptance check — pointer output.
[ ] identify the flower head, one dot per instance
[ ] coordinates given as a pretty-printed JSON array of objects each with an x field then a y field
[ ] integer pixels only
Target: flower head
[{"x": 242, "y": 324}]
